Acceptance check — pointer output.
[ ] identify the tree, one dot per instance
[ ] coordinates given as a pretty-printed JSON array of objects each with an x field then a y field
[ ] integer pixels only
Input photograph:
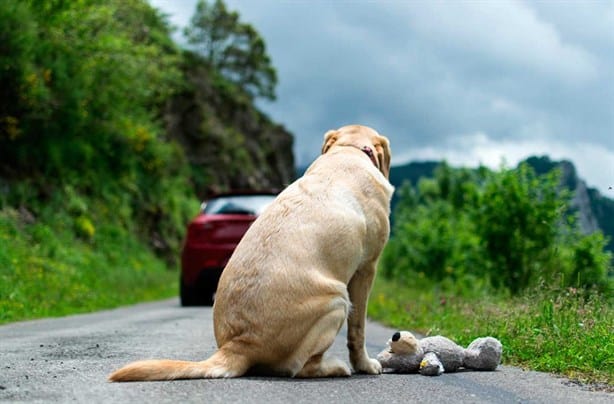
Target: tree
[{"x": 233, "y": 48}]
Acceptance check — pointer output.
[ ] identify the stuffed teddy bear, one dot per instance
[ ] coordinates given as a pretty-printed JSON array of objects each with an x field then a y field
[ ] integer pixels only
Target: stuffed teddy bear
[{"x": 431, "y": 356}]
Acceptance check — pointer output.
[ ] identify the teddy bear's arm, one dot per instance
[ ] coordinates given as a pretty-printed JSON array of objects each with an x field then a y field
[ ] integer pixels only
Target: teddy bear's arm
[{"x": 431, "y": 365}]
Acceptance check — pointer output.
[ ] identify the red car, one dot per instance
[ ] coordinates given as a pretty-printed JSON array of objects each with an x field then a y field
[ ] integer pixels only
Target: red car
[{"x": 212, "y": 237}]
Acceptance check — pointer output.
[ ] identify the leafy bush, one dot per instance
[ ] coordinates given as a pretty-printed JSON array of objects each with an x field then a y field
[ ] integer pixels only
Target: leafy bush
[{"x": 480, "y": 229}]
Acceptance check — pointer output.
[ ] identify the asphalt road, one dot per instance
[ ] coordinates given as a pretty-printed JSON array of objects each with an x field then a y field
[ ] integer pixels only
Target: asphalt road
[{"x": 67, "y": 360}]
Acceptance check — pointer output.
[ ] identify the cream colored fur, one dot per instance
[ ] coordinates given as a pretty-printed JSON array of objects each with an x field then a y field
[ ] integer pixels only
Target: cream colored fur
[{"x": 303, "y": 268}]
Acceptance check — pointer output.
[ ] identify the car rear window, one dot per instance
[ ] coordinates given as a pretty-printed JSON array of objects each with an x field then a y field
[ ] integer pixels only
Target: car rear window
[{"x": 240, "y": 204}]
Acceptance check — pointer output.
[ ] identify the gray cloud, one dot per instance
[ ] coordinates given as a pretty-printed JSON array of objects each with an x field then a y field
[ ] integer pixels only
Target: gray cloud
[{"x": 468, "y": 81}]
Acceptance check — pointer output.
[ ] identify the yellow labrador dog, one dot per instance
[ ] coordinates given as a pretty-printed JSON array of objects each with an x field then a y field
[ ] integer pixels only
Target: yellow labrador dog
[{"x": 304, "y": 267}]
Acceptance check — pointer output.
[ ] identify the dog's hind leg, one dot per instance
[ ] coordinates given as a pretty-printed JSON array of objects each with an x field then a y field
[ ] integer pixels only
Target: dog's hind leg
[
  {"x": 318, "y": 366},
  {"x": 318, "y": 339}
]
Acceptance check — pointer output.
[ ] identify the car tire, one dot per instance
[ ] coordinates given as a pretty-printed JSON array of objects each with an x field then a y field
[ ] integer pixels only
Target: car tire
[{"x": 194, "y": 296}]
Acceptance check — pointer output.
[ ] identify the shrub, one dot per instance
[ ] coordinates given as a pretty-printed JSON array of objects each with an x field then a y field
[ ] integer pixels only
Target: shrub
[{"x": 505, "y": 230}]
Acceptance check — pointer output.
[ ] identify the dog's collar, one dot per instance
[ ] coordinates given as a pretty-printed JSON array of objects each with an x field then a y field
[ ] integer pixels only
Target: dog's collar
[
  {"x": 369, "y": 152},
  {"x": 366, "y": 150}
]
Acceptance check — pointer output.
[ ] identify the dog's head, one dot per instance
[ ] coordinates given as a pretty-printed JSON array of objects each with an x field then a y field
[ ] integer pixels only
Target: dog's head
[{"x": 364, "y": 138}]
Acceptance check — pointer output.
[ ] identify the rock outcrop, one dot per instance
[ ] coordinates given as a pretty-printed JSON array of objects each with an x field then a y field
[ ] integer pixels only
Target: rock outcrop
[{"x": 229, "y": 143}]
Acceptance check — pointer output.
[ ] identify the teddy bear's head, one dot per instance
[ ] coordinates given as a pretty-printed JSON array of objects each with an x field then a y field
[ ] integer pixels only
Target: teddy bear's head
[{"x": 403, "y": 343}]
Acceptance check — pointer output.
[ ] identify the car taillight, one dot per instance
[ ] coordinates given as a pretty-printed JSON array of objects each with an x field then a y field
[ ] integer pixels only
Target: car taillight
[
  {"x": 200, "y": 231},
  {"x": 220, "y": 231}
]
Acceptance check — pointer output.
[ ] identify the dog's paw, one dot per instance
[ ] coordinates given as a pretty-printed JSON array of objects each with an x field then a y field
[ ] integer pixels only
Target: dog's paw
[
  {"x": 337, "y": 368},
  {"x": 369, "y": 366},
  {"x": 329, "y": 367}
]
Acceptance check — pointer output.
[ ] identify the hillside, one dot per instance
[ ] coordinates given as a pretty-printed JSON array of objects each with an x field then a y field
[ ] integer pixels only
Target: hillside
[
  {"x": 144, "y": 125},
  {"x": 594, "y": 211},
  {"x": 110, "y": 135},
  {"x": 229, "y": 143}
]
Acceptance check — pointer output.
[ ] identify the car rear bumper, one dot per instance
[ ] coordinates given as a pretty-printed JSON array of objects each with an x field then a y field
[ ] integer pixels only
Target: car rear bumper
[
  {"x": 196, "y": 260},
  {"x": 202, "y": 291},
  {"x": 207, "y": 280}
]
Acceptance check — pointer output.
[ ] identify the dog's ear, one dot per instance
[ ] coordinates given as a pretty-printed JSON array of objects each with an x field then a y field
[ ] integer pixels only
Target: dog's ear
[
  {"x": 383, "y": 156},
  {"x": 330, "y": 138}
]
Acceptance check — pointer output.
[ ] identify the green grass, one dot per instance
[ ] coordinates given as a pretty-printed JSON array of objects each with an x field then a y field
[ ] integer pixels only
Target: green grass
[
  {"x": 57, "y": 264},
  {"x": 566, "y": 331}
]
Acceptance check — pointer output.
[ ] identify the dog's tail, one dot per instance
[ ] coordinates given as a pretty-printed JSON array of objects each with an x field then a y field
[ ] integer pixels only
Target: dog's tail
[{"x": 220, "y": 365}]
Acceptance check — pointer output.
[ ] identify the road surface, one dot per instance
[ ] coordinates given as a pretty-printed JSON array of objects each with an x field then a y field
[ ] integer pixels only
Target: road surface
[{"x": 67, "y": 360}]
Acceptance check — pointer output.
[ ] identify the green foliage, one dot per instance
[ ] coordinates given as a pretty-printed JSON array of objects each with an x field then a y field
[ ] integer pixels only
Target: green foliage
[
  {"x": 479, "y": 230},
  {"x": 48, "y": 269},
  {"x": 84, "y": 163},
  {"x": 603, "y": 208},
  {"x": 551, "y": 329},
  {"x": 85, "y": 82},
  {"x": 518, "y": 219},
  {"x": 91, "y": 73},
  {"x": 590, "y": 266},
  {"x": 232, "y": 48}
]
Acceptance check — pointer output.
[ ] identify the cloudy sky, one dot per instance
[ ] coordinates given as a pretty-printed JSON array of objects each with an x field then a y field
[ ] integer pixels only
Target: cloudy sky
[{"x": 467, "y": 81}]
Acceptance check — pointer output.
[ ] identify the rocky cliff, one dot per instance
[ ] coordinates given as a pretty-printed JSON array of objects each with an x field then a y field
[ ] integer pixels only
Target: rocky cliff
[{"x": 229, "y": 143}]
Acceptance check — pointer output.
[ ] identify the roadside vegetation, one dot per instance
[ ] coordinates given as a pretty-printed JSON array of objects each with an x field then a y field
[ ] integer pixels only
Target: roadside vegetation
[
  {"x": 95, "y": 186},
  {"x": 477, "y": 253},
  {"x": 55, "y": 265}
]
